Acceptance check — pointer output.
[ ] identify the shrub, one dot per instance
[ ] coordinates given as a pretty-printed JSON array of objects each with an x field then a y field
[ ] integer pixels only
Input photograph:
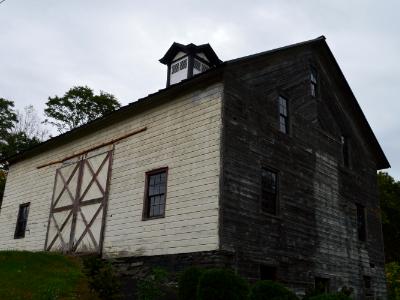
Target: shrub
[
  {"x": 153, "y": 286},
  {"x": 102, "y": 278},
  {"x": 269, "y": 290},
  {"x": 336, "y": 296},
  {"x": 393, "y": 280},
  {"x": 220, "y": 284},
  {"x": 188, "y": 282}
]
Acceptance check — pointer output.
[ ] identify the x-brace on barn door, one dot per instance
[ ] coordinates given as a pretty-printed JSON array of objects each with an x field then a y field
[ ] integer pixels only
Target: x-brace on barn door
[{"x": 79, "y": 205}]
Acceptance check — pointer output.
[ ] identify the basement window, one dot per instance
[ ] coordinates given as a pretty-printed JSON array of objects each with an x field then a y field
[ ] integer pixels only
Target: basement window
[
  {"x": 22, "y": 219},
  {"x": 322, "y": 285},
  {"x": 313, "y": 82},
  {"x": 155, "y": 194},
  {"x": 269, "y": 191},
  {"x": 368, "y": 286},
  {"x": 268, "y": 272},
  {"x": 361, "y": 224},
  {"x": 283, "y": 115}
]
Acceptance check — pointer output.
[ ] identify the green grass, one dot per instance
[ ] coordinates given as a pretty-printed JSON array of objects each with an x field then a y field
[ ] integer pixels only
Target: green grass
[{"x": 41, "y": 276}]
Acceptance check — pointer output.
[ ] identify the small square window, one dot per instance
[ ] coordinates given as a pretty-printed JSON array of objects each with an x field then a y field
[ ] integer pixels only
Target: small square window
[
  {"x": 175, "y": 68},
  {"x": 269, "y": 191},
  {"x": 197, "y": 65},
  {"x": 322, "y": 285},
  {"x": 183, "y": 64},
  {"x": 268, "y": 272},
  {"x": 155, "y": 194},
  {"x": 22, "y": 219},
  {"x": 204, "y": 67}
]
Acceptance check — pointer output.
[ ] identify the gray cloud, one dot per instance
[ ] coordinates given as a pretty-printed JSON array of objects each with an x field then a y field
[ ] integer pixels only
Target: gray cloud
[{"x": 49, "y": 46}]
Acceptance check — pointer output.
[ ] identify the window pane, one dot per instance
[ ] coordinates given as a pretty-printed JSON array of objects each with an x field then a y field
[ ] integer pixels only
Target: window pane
[
  {"x": 269, "y": 191},
  {"x": 21, "y": 221},
  {"x": 361, "y": 225},
  {"x": 156, "y": 194},
  {"x": 282, "y": 124},
  {"x": 313, "y": 89}
]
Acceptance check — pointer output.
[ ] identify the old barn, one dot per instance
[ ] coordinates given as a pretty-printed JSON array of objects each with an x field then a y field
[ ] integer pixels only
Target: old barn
[{"x": 265, "y": 164}]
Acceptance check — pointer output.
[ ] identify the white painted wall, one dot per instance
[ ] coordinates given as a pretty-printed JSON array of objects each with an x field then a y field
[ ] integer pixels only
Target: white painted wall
[
  {"x": 179, "y": 55},
  {"x": 183, "y": 134},
  {"x": 181, "y": 74}
]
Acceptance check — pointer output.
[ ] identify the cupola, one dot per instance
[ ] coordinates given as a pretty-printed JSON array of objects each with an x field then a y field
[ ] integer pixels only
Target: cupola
[{"x": 185, "y": 61}]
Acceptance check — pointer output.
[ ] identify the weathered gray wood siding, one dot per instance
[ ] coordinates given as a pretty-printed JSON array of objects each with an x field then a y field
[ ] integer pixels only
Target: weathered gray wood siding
[
  {"x": 315, "y": 231},
  {"x": 182, "y": 134}
]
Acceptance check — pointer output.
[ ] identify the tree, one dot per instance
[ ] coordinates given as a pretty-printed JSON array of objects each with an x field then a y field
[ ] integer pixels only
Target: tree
[
  {"x": 8, "y": 117},
  {"x": 15, "y": 143},
  {"x": 29, "y": 123},
  {"x": 389, "y": 197},
  {"x": 78, "y": 106}
]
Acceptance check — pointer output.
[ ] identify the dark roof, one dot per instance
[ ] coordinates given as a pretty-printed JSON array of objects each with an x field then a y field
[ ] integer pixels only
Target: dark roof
[
  {"x": 190, "y": 49},
  {"x": 202, "y": 79}
]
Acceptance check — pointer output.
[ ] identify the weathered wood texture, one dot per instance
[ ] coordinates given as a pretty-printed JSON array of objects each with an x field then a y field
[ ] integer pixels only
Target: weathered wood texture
[
  {"x": 182, "y": 133},
  {"x": 315, "y": 231}
]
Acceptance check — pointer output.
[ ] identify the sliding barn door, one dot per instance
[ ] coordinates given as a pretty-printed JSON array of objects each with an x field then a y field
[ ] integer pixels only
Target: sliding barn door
[{"x": 79, "y": 205}]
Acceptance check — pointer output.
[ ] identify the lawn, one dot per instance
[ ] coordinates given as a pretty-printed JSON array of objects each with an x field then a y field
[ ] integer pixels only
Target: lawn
[{"x": 41, "y": 276}]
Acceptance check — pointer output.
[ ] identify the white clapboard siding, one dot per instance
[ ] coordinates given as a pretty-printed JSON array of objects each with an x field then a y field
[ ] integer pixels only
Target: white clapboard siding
[{"x": 182, "y": 134}]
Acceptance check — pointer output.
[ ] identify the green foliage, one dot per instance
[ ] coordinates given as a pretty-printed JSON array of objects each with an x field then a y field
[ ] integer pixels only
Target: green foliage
[
  {"x": 38, "y": 276},
  {"x": 8, "y": 117},
  {"x": 3, "y": 177},
  {"x": 102, "y": 278},
  {"x": 15, "y": 143},
  {"x": 269, "y": 290},
  {"x": 220, "y": 284},
  {"x": 188, "y": 282},
  {"x": 389, "y": 197},
  {"x": 393, "y": 280},
  {"x": 319, "y": 292},
  {"x": 335, "y": 296},
  {"x": 153, "y": 287},
  {"x": 78, "y": 106}
]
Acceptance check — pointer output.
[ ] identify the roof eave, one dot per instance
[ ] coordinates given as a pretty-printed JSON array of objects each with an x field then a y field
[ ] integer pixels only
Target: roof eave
[{"x": 208, "y": 77}]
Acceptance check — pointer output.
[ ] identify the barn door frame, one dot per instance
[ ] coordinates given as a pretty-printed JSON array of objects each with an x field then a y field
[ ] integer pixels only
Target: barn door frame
[{"x": 77, "y": 198}]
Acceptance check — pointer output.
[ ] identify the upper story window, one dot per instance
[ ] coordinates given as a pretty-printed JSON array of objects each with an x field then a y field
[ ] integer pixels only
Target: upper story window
[
  {"x": 183, "y": 64},
  {"x": 345, "y": 151},
  {"x": 269, "y": 191},
  {"x": 197, "y": 65},
  {"x": 155, "y": 194},
  {"x": 21, "y": 221},
  {"x": 283, "y": 115},
  {"x": 175, "y": 68},
  {"x": 313, "y": 82},
  {"x": 361, "y": 223}
]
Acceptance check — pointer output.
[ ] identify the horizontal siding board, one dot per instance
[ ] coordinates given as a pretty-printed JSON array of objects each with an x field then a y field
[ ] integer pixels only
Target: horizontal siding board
[{"x": 183, "y": 134}]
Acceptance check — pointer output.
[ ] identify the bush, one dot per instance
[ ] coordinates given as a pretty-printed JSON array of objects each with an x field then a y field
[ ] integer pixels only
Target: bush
[
  {"x": 220, "y": 284},
  {"x": 269, "y": 290},
  {"x": 102, "y": 278},
  {"x": 336, "y": 296},
  {"x": 188, "y": 282},
  {"x": 153, "y": 286},
  {"x": 393, "y": 280}
]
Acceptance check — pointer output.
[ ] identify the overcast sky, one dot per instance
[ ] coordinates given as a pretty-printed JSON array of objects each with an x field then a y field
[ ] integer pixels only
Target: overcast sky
[{"x": 48, "y": 46}]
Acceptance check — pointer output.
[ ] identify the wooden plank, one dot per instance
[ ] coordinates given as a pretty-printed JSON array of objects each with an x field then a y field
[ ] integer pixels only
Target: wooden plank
[{"x": 113, "y": 141}]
